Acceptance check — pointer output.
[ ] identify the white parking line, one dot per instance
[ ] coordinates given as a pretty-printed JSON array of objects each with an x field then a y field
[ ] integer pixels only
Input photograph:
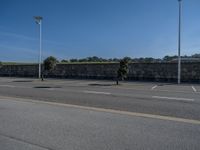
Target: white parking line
[
  {"x": 154, "y": 87},
  {"x": 86, "y": 83},
  {"x": 95, "y": 92},
  {"x": 194, "y": 89},
  {"x": 10, "y": 86},
  {"x": 51, "y": 89},
  {"x": 74, "y": 81},
  {"x": 173, "y": 98}
]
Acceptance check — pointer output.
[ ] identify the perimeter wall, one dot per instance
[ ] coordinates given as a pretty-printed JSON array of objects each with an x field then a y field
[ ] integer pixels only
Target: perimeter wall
[{"x": 137, "y": 71}]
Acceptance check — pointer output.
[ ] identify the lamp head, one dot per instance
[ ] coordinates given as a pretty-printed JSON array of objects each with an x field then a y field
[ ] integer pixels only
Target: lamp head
[{"x": 38, "y": 19}]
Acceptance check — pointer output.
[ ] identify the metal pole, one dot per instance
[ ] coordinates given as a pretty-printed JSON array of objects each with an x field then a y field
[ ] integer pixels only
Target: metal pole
[
  {"x": 38, "y": 20},
  {"x": 179, "y": 43},
  {"x": 40, "y": 53}
]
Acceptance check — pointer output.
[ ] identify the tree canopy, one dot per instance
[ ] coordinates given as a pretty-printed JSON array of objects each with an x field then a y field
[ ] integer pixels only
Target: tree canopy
[
  {"x": 50, "y": 63},
  {"x": 166, "y": 58}
]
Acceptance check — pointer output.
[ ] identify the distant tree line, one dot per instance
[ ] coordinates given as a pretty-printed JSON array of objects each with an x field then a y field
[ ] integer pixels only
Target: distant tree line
[
  {"x": 195, "y": 57},
  {"x": 136, "y": 60}
]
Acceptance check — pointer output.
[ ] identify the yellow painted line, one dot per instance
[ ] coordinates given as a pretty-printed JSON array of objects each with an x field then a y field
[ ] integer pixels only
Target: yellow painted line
[{"x": 134, "y": 114}]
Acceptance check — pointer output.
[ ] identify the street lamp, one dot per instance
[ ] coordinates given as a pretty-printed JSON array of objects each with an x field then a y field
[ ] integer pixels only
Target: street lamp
[
  {"x": 38, "y": 20},
  {"x": 179, "y": 43}
]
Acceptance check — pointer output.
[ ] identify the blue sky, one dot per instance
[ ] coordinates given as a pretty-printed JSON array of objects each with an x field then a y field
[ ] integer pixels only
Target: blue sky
[{"x": 104, "y": 28}]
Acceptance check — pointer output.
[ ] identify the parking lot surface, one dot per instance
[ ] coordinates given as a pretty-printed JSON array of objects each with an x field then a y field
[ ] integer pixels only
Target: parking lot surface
[
  {"x": 144, "y": 97},
  {"x": 59, "y": 114}
]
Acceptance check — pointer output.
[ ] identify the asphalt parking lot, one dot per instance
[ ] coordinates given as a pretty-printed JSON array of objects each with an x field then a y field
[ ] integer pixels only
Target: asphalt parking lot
[
  {"x": 145, "y": 97},
  {"x": 29, "y": 82},
  {"x": 92, "y": 114}
]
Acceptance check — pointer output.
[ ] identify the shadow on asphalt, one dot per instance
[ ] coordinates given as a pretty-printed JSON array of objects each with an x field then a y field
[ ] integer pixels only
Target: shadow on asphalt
[
  {"x": 95, "y": 84},
  {"x": 163, "y": 84},
  {"x": 23, "y": 81},
  {"x": 46, "y": 87}
]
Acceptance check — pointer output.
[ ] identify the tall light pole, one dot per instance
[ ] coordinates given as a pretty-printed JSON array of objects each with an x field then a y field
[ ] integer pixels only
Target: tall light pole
[
  {"x": 179, "y": 42},
  {"x": 38, "y": 20}
]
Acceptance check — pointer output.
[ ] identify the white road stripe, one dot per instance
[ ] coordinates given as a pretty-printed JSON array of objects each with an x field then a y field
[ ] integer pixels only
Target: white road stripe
[
  {"x": 154, "y": 87},
  {"x": 194, "y": 89},
  {"x": 73, "y": 82},
  {"x": 173, "y": 98},
  {"x": 51, "y": 89},
  {"x": 11, "y": 86},
  {"x": 86, "y": 83},
  {"x": 95, "y": 92}
]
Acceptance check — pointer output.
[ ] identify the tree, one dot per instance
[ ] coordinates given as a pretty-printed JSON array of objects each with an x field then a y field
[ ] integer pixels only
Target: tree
[
  {"x": 73, "y": 60},
  {"x": 196, "y": 56},
  {"x": 129, "y": 59},
  {"x": 149, "y": 60},
  {"x": 49, "y": 64},
  {"x": 169, "y": 58},
  {"x": 83, "y": 60},
  {"x": 116, "y": 60},
  {"x": 64, "y": 61},
  {"x": 123, "y": 70}
]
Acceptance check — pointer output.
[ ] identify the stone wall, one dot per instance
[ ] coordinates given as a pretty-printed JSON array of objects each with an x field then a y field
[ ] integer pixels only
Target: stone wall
[
  {"x": 190, "y": 72},
  {"x": 137, "y": 71},
  {"x": 19, "y": 70}
]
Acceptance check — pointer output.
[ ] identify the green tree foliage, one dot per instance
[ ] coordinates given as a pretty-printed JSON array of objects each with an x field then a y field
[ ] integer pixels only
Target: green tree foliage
[
  {"x": 129, "y": 59},
  {"x": 169, "y": 58},
  {"x": 196, "y": 56},
  {"x": 135, "y": 60},
  {"x": 73, "y": 60},
  {"x": 1, "y": 64},
  {"x": 50, "y": 63},
  {"x": 83, "y": 60},
  {"x": 64, "y": 61}
]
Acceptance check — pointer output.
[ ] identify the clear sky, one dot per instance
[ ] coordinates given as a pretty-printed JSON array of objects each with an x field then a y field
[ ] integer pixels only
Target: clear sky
[{"x": 104, "y": 28}]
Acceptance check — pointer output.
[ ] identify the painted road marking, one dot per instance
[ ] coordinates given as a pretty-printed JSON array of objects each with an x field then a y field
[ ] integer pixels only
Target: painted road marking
[
  {"x": 173, "y": 98},
  {"x": 86, "y": 83},
  {"x": 95, "y": 92},
  {"x": 134, "y": 114},
  {"x": 11, "y": 86},
  {"x": 51, "y": 89},
  {"x": 72, "y": 81},
  {"x": 154, "y": 87},
  {"x": 194, "y": 89}
]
